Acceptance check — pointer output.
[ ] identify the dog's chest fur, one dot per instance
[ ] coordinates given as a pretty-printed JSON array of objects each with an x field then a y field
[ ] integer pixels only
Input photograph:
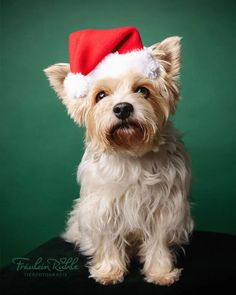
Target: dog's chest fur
[{"x": 130, "y": 191}]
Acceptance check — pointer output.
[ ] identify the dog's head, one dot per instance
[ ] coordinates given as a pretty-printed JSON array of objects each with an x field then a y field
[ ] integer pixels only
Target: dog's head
[{"x": 125, "y": 113}]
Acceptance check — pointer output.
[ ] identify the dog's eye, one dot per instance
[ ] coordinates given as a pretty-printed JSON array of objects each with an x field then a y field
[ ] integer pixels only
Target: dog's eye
[
  {"x": 100, "y": 95},
  {"x": 142, "y": 90}
]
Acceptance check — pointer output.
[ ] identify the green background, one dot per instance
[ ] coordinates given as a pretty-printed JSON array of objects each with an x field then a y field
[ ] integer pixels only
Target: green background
[{"x": 41, "y": 146}]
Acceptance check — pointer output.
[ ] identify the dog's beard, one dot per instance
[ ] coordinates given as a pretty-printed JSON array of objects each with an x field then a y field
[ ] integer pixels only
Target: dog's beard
[{"x": 130, "y": 135}]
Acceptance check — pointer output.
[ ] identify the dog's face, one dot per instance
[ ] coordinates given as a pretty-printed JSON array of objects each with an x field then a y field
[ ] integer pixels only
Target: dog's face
[{"x": 126, "y": 114}]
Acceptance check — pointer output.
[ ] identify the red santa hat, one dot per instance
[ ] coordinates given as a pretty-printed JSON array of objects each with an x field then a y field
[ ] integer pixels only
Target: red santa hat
[{"x": 99, "y": 54}]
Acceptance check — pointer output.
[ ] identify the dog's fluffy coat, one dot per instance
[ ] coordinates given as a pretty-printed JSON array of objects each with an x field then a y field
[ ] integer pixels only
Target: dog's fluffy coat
[{"x": 135, "y": 177}]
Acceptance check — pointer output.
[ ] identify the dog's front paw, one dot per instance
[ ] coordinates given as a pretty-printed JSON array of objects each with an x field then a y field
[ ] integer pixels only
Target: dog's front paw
[
  {"x": 163, "y": 279},
  {"x": 112, "y": 276}
]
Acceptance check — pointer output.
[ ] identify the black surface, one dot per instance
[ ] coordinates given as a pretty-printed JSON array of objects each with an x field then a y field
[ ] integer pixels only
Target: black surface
[{"x": 209, "y": 266}]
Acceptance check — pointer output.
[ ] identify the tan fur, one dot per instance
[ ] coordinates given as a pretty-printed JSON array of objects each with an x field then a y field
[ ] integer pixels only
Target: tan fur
[{"x": 134, "y": 181}]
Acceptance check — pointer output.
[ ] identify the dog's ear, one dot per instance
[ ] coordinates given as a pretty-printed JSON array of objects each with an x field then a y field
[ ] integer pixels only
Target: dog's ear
[
  {"x": 56, "y": 75},
  {"x": 167, "y": 53}
]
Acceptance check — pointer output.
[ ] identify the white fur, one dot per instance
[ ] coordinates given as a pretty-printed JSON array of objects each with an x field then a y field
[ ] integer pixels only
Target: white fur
[
  {"x": 112, "y": 66},
  {"x": 145, "y": 196}
]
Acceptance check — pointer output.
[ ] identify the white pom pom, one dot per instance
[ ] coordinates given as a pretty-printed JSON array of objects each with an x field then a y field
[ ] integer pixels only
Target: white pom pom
[{"x": 76, "y": 85}]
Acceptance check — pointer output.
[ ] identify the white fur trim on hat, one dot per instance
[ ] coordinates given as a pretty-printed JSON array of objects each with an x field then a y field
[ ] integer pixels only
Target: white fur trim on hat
[{"x": 112, "y": 66}]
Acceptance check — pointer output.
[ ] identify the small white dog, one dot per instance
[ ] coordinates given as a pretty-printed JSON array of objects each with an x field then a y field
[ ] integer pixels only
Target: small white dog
[{"x": 135, "y": 174}]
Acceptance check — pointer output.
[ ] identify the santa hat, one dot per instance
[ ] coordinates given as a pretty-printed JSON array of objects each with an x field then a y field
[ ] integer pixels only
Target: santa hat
[{"x": 98, "y": 54}]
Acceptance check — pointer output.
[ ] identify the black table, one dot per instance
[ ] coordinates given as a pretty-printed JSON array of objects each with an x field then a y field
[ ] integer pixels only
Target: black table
[{"x": 209, "y": 266}]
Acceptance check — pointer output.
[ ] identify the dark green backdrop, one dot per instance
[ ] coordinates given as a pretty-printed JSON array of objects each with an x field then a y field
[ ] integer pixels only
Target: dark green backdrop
[{"x": 41, "y": 147}]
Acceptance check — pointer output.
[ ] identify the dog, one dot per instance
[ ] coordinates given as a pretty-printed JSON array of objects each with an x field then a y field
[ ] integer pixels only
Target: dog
[{"x": 135, "y": 174}]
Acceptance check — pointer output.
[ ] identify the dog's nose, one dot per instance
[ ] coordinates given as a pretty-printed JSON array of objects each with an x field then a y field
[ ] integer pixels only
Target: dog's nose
[{"x": 123, "y": 110}]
